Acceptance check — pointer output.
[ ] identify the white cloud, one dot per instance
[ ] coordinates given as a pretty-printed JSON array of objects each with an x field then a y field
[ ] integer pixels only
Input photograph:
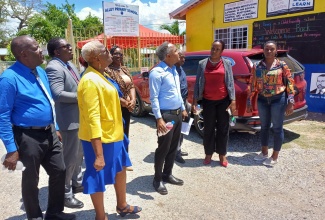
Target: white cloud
[
  {"x": 152, "y": 14},
  {"x": 86, "y": 11}
]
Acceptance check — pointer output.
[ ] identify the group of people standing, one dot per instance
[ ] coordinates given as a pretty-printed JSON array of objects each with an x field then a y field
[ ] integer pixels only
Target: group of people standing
[
  {"x": 214, "y": 90},
  {"x": 56, "y": 118}
]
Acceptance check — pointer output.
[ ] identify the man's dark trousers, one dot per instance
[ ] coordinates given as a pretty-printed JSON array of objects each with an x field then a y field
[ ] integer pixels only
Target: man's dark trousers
[
  {"x": 41, "y": 147},
  {"x": 167, "y": 146}
]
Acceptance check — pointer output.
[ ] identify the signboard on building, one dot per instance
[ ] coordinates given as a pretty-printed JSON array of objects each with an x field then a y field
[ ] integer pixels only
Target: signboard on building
[
  {"x": 303, "y": 36},
  {"x": 278, "y": 7},
  {"x": 120, "y": 19},
  {"x": 241, "y": 10}
]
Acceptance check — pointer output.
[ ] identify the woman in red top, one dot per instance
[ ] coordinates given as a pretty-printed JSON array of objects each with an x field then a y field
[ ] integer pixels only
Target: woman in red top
[{"x": 214, "y": 88}]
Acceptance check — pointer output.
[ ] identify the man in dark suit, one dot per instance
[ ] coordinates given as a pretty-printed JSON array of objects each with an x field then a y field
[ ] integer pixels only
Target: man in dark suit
[
  {"x": 27, "y": 119},
  {"x": 64, "y": 78}
]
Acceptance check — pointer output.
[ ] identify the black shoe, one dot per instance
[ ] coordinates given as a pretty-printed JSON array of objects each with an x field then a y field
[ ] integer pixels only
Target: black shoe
[
  {"x": 73, "y": 203},
  {"x": 77, "y": 189},
  {"x": 160, "y": 187},
  {"x": 60, "y": 216},
  {"x": 183, "y": 153},
  {"x": 179, "y": 158},
  {"x": 172, "y": 180}
]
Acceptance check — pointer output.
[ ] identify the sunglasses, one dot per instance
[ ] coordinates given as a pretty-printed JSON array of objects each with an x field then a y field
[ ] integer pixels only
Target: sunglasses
[
  {"x": 118, "y": 54},
  {"x": 67, "y": 46}
]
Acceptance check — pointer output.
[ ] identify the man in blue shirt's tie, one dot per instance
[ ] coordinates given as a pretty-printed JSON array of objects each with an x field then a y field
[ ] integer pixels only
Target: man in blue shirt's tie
[
  {"x": 27, "y": 129},
  {"x": 167, "y": 106}
]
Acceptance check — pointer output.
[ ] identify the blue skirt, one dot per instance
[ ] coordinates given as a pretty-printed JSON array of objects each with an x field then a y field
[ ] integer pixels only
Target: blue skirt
[{"x": 116, "y": 158}]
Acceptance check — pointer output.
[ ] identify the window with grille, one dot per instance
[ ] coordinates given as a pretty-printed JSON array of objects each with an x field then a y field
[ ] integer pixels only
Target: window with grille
[{"x": 234, "y": 37}]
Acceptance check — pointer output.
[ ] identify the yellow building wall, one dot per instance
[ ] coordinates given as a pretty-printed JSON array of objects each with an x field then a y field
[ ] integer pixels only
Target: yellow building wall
[{"x": 204, "y": 18}]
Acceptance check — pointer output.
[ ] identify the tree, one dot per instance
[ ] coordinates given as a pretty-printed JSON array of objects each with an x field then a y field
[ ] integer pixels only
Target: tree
[
  {"x": 41, "y": 29},
  {"x": 52, "y": 22},
  {"x": 3, "y": 19},
  {"x": 173, "y": 28},
  {"x": 23, "y": 10}
]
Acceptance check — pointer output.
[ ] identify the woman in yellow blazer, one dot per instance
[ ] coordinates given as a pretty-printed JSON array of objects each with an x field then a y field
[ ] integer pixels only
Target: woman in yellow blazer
[{"x": 101, "y": 132}]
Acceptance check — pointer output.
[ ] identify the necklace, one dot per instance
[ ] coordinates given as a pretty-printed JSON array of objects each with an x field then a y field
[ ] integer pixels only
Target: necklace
[
  {"x": 214, "y": 63},
  {"x": 115, "y": 68}
]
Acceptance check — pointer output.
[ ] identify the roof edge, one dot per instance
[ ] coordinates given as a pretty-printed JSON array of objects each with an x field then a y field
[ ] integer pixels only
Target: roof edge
[{"x": 180, "y": 12}]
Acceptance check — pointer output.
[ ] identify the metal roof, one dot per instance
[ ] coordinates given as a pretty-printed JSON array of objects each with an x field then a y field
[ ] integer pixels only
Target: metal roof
[{"x": 180, "y": 13}]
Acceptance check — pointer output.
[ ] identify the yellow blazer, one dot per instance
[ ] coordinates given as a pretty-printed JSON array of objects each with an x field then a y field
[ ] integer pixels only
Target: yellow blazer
[{"x": 99, "y": 108}]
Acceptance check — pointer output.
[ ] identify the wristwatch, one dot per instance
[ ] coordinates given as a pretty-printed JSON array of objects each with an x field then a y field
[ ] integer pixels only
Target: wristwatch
[{"x": 292, "y": 101}]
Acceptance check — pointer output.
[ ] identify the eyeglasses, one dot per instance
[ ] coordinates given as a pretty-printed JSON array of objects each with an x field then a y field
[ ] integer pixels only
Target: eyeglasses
[
  {"x": 67, "y": 46},
  {"x": 118, "y": 54}
]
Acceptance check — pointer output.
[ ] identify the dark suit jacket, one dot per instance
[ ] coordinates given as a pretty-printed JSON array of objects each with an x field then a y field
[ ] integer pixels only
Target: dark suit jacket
[{"x": 64, "y": 92}]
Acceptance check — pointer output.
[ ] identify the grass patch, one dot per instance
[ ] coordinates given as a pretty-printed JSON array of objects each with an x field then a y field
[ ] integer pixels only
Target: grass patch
[{"x": 305, "y": 134}]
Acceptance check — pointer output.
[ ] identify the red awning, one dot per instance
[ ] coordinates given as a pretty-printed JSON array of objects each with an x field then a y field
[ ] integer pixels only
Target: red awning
[{"x": 148, "y": 38}]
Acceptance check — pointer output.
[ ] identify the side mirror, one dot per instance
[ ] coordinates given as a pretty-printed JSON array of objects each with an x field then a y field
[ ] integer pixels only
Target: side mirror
[{"x": 145, "y": 74}]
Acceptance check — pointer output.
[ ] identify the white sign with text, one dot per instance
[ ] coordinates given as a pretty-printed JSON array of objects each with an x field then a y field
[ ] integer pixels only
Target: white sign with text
[
  {"x": 242, "y": 10},
  {"x": 121, "y": 19}
]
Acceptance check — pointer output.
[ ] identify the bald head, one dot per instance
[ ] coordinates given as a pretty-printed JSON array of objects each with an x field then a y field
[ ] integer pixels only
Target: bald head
[{"x": 27, "y": 51}]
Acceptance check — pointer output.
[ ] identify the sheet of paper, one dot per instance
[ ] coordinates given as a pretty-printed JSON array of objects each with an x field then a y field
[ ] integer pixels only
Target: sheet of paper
[{"x": 186, "y": 126}]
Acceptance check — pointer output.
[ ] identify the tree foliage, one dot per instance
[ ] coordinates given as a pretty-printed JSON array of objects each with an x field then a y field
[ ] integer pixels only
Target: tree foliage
[
  {"x": 52, "y": 21},
  {"x": 173, "y": 28}
]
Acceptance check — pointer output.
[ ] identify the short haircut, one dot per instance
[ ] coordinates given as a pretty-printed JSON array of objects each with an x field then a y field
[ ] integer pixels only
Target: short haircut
[
  {"x": 112, "y": 50},
  {"x": 270, "y": 42},
  {"x": 164, "y": 49},
  {"x": 19, "y": 44},
  {"x": 223, "y": 45},
  {"x": 91, "y": 49},
  {"x": 53, "y": 44}
]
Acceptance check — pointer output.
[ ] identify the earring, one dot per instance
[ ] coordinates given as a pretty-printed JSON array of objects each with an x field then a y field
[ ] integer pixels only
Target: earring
[
  {"x": 99, "y": 66},
  {"x": 276, "y": 55}
]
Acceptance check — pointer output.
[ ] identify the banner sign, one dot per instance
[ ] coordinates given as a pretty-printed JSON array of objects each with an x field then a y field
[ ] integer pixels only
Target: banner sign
[
  {"x": 121, "y": 19},
  {"x": 242, "y": 10},
  {"x": 278, "y": 7}
]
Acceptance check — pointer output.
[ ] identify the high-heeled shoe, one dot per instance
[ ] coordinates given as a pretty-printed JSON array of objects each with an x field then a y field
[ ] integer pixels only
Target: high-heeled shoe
[
  {"x": 224, "y": 163},
  {"x": 207, "y": 161},
  {"x": 126, "y": 210}
]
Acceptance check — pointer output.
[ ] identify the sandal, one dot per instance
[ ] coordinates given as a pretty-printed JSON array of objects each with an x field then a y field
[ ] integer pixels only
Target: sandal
[{"x": 126, "y": 210}]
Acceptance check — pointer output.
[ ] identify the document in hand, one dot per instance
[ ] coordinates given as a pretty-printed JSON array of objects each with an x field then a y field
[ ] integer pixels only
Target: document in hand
[{"x": 186, "y": 125}]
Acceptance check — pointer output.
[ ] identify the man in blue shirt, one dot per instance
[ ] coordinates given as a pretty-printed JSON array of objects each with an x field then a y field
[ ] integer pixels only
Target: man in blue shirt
[
  {"x": 184, "y": 93},
  {"x": 27, "y": 129},
  {"x": 167, "y": 106}
]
